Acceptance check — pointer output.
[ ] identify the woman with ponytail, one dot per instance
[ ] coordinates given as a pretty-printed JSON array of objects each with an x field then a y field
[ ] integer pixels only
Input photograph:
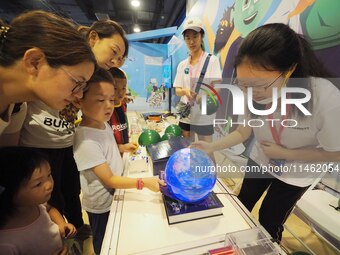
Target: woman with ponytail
[
  {"x": 284, "y": 158},
  {"x": 108, "y": 42}
]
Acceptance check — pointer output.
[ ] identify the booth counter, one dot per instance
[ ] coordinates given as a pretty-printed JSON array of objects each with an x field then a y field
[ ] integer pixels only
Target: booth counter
[{"x": 138, "y": 222}]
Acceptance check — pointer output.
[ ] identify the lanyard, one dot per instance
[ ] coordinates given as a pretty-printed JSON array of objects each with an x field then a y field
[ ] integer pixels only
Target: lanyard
[
  {"x": 277, "y": 135},
  {"x": 191, "y": 75}
]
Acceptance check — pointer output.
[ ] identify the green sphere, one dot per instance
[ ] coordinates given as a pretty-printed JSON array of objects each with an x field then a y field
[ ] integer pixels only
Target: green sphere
[
  {"x": 212, "y": 105},
  {"x": 174, "y": 129},
  {"x": 166, "y": 136},
  {"x": 149, "y": 137}
]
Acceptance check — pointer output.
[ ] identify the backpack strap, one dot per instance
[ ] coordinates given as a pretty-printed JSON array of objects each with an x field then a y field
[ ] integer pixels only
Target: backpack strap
[{"x": 204, "y": 69}]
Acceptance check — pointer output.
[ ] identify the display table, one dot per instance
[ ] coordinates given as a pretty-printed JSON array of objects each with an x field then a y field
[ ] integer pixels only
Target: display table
[
  {"x": 315, "y": 208},
  {"x": 138, "y": 224}
]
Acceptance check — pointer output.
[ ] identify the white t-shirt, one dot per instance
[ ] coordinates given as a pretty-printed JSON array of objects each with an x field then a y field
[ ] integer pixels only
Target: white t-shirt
[
  {"x": 93, "y": 147},
  {"x": 185, "y": 80},
  {"x": 320, "y": 130},
  {"x": 12, "y": 123},
  {"x": 40, "y": 237},
  {"x": 44, "y": 129}
]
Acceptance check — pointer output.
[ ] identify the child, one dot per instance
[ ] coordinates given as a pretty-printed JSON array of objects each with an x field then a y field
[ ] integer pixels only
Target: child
[
  {"x": 25, "y": 186},
  {"x": 97, "y": 155},
  {"x": 118, "y": 119}
]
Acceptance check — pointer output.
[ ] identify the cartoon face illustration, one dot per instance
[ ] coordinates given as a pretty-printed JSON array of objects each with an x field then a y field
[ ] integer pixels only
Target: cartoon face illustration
[
  {"x": 224, "y": 30},
  {"x": 249, "y": 14}
]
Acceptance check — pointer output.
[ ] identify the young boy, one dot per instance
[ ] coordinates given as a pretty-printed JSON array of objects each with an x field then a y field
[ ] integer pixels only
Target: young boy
[
  {"x": 97, "y": 155},
  {"x": 118, "y": 119}
]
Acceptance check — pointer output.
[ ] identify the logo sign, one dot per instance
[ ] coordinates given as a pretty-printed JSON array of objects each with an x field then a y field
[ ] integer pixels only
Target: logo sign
[{"x": 239, "y": 100}]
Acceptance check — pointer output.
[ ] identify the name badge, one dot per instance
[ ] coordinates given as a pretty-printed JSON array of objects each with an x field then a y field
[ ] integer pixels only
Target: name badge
[{"x": 277, "y": 165}]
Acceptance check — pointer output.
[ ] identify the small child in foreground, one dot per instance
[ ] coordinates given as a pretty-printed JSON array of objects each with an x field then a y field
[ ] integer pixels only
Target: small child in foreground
[{"x": 27, "y": 224}]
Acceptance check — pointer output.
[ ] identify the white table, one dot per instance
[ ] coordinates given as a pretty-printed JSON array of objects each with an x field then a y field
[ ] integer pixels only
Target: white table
[
  {"x": 315, "y": 207},
  {"x": 138, "y": 224}
]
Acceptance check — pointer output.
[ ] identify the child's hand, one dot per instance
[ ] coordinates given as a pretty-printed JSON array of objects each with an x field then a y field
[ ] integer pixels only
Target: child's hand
[
  {"x": 152, "y": 183},
  {"x": 128, "y": 99},
  {"x": 67, "y": 230},
  {"x": 128, "y": 147}
]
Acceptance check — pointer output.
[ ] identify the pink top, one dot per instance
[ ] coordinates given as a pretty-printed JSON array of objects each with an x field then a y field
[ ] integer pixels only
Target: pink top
[{"x": 40, "y": 237}]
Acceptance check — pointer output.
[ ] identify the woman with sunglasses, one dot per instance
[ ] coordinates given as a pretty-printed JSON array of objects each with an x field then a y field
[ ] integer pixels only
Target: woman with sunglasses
[
  {"x": 33, "y": 60},
  {"x": 270, "y": 58},
  {"x": 110, "y": 47}
]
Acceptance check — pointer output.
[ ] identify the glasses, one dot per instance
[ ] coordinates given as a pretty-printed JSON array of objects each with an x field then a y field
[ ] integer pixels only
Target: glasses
[
  {"x": 80, "y": 85},
  {"x": 261, "y": 87}
]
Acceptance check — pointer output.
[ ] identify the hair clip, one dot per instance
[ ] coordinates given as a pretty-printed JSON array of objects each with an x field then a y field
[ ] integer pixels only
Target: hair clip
[
  {"x": 3, "y": 32},
  {"x": 2, "y": 189}
]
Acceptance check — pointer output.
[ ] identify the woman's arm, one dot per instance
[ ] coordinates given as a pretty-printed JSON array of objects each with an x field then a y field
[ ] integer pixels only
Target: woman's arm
[
  {"x": 185, "y": 92},
  {"x": 275, "y": 151},
  {"x": 236, "y": 137}
]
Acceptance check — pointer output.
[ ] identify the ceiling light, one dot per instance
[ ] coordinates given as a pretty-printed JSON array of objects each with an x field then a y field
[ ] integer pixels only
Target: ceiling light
[
  {"x": 135, "y": 3},
  {"x": 136, "y": 29}
]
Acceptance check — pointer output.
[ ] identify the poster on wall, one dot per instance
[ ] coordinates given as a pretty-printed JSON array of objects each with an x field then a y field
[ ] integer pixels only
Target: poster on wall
[{"x": 146, "y": 76}]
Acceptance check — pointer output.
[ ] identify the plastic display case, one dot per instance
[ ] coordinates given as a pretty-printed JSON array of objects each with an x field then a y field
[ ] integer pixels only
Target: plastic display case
[{"x": 250, "y": 242}]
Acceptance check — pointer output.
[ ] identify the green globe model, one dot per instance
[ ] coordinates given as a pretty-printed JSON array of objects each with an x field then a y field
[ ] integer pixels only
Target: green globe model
[
  {"x": 149, "y": 137},
  {"x": 166, "y": 136},
  {"x": 174, "y": 129}
]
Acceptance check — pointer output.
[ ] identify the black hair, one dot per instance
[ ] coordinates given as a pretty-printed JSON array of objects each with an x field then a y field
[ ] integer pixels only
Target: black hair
[
  {"x": 48, "y": 32},
  {"x": 117, "y": 73},
  {"x": 106, "y": 29},
  {"x": 276, "y": 47},
  {"x": 17, "y": 166},
  {"x": 99, "y": 75}
]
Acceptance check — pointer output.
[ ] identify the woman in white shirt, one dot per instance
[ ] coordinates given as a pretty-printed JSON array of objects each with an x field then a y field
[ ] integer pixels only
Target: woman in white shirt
[
  {"x": 188, "y": 72},
  {"x": 285, "y": 158}
]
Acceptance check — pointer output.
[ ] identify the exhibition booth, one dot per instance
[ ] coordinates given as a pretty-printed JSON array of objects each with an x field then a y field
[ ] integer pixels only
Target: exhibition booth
[{"x": 151, "y": 70}]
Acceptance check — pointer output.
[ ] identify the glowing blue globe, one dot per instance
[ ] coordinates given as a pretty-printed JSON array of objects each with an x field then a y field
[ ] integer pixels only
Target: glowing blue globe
[{"x": 190, "y": 175}]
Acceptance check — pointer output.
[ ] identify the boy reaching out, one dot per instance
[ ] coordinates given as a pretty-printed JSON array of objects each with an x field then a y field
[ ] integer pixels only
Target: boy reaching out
[{"x": 97, "y": 155}]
